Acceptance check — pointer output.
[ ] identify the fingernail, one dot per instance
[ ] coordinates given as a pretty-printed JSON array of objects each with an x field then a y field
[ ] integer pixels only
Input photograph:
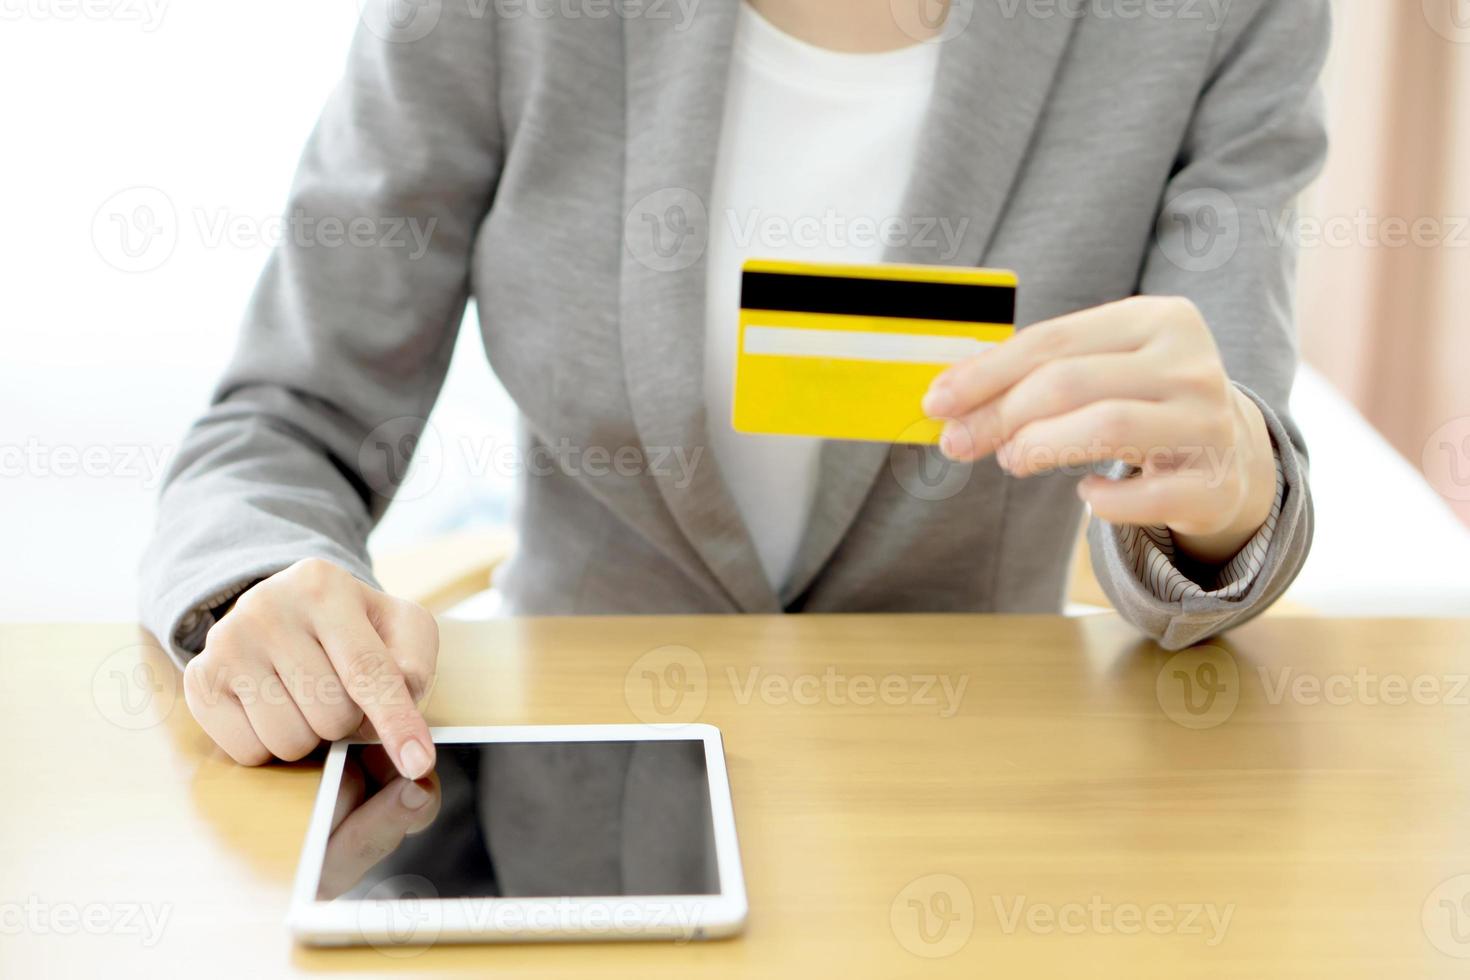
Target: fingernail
[
  {"x": 938, "y": 401},
  {"x": 948, "y": 443},
  {"x": 413, "y": 760},
  {"x": 413, "y": 796},
  {"x": 1003, "y": 457}
]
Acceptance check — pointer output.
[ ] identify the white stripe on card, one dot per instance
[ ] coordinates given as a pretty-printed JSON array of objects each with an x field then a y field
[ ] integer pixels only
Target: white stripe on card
[{"x": 861, "y": 345}]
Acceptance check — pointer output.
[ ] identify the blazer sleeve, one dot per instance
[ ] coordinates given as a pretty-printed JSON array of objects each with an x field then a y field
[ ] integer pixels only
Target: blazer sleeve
[
  {"x": 1224, "y": 239},
  {"x": 348, "y": 334}
]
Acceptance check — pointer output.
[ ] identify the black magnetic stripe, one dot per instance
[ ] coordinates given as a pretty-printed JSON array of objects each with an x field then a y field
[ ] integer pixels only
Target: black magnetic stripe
[{"x": 844, "y": 295}]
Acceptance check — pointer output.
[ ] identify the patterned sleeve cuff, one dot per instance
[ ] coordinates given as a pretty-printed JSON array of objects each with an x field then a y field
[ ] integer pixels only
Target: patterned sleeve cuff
[
  {"x": 1151, "y": 553},
  {"x": 195, "y": 626}
]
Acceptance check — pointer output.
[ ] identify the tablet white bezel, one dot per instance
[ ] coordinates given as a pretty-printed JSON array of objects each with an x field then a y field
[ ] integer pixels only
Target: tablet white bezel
[{"x": 391, "y": 924}]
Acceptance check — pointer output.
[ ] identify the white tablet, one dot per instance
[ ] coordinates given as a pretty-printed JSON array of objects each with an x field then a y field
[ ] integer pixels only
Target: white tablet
[{"x": 587, "y": 832}]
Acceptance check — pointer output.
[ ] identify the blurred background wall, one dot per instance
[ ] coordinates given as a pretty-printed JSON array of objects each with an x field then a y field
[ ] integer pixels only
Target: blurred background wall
[
  {"x": 1385, "y": 277},
  {"x": 186, "y": 117}
]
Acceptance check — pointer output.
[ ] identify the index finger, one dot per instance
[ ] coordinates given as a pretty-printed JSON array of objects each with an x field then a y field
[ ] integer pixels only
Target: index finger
[
  {"x": 373, "y": 680},
  {"x": 973, "y": 382}
]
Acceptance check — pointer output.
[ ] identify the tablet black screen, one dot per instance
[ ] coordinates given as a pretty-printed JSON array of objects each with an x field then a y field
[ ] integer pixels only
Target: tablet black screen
[{"x": 523, "y": 820}]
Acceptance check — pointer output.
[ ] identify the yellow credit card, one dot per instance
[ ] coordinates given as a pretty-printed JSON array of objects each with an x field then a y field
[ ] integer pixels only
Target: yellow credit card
[{"x": 848, "y": 351}]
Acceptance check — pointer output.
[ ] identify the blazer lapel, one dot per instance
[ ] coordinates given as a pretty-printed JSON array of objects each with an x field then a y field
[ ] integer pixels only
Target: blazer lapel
[
  {"x": 994, "y": 79},
  {"x": 676, "y": 76}
]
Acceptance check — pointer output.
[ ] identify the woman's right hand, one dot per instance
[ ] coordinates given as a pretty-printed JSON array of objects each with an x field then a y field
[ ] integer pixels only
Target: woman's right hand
[{"x": 313, "y": 654}]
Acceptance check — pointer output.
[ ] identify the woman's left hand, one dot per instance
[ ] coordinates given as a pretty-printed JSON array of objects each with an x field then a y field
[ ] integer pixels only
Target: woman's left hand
[{"x": 1139, "y": 381}]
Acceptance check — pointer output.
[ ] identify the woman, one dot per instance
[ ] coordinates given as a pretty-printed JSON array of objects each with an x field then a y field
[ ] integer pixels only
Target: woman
[{"x": 594, "y": 179}]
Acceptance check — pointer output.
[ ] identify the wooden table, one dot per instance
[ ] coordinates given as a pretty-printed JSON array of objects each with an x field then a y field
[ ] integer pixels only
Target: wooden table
[{"x": 1293, "y": 802}]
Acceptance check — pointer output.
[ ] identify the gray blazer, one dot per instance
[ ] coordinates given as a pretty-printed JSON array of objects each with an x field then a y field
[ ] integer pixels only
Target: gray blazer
[{"x": 1099, "y": 156}]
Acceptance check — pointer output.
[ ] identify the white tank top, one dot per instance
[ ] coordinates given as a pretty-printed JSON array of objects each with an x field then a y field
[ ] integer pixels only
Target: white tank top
[{"x": 815, "y": 156}]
